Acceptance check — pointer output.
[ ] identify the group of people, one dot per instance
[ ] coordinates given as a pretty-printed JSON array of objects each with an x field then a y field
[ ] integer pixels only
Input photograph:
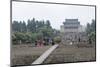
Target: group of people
[{"x": 44, "y": 42}]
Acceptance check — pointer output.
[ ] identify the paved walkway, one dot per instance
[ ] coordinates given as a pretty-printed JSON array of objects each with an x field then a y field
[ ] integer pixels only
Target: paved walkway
[{"x": 45, "y": 55}]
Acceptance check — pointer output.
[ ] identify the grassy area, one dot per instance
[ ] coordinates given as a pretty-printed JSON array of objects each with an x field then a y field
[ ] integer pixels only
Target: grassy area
[
  {"x": 65, "y": 54},
  {"x": 26, "y": 54}
]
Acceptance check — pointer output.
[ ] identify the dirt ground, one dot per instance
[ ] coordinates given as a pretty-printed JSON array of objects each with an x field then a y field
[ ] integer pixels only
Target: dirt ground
[
  {"x": 66, "y": 54},
  {"x": 26, "y": 54}
]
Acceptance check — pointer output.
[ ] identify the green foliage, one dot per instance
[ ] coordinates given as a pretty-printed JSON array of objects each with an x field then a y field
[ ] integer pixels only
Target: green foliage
[
  {"x": 33, "y": 30},
  {"x": 15, "y": 26},
  {"x": 57, "y": 39},
  {"x": 48, "y": 23},
  {"x": 92, "y": 36},
  {"x": 91, "y": 31}
]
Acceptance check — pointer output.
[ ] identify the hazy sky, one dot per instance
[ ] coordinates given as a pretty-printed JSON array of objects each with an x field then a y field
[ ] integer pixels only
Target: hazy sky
[{"x": 53, "y": 12}]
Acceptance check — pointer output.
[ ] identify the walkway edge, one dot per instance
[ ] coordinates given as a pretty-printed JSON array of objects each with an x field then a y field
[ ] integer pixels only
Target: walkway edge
[{"x": 45, "y": 55}]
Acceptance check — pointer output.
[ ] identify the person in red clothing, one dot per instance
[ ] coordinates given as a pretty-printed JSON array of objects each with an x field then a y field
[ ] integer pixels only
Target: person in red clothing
[{"x": 40, "y": 43}]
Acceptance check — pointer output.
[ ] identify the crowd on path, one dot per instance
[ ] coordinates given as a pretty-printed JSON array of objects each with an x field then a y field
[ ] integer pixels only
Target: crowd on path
[{"x": 44, "y": 42}]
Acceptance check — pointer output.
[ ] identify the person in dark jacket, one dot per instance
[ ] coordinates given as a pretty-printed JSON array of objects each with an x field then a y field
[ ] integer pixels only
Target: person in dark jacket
[{"x": 36, "y": 43}]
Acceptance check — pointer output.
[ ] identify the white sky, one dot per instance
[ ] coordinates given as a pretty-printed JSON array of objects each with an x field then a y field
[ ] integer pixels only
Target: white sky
[{"x": 53, "y": 12}]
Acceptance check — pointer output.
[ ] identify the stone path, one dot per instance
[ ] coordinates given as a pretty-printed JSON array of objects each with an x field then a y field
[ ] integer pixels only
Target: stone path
[
  {"x": 45, "y": 55},
  {"x": 66, "y": 54}
]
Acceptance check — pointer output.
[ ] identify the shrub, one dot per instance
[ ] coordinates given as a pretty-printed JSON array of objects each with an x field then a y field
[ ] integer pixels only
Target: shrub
[{"x": 57, "y": 39}]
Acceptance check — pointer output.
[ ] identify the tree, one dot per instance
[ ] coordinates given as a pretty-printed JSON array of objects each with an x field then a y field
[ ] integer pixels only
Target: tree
[
  {"x": 28, "y": 36},
  {"x": 32, "y": 31},
  {"x": 91, "y": 31},
  {"x": 28, "y": 25},
  {"x": 92, "y": 36},
  {"x": 57, "y": 39},
  {"x": 19, "y": 37},
  {"x": 48, "y": 23},
  {"x": 33, "y": 25},
  {"x": 88, "y": 28},
  {"x": 20, "y": 26},
  {"x": 93, "y": 26},
  {"x": 24, "y": 27},
  {"x": 15, "y": 26}
]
